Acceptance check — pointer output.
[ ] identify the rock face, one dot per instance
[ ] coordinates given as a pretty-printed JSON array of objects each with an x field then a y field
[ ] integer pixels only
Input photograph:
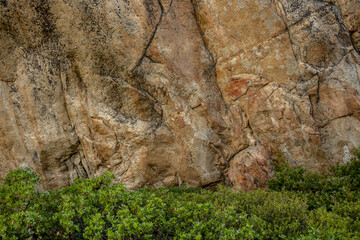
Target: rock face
[{"x": 164, "y": 92}]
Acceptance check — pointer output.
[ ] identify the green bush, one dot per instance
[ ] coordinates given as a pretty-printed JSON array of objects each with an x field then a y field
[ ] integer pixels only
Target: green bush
[
  {"x": 299, "y": 205},
  {"x": 333, "y": 199},
  {"x": 342, "y": 183}
]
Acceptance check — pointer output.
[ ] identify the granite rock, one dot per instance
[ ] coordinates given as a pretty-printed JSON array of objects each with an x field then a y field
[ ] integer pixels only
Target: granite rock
[{"x": 165, "y": 92}]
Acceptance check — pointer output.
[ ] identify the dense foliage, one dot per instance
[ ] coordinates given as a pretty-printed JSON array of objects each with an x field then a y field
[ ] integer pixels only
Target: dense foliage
[{"x": 299, "y": 205}]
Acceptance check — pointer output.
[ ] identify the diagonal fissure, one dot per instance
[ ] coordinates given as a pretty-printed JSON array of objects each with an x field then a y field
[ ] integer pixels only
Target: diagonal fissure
[{"x": 143, "y": 55}]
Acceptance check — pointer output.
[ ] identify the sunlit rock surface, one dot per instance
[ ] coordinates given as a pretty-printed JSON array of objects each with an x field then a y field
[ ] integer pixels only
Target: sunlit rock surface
[{"x": 165, "y": 92}]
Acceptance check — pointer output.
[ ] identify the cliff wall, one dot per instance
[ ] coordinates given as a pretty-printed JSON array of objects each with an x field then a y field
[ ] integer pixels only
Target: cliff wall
[{"x": 163, "y": 92}]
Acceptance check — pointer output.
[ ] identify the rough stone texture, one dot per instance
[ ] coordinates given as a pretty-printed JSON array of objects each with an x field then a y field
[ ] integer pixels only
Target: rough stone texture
[
  {"x": 165, "y": 92},
  {"x": 250, "y": 168}
]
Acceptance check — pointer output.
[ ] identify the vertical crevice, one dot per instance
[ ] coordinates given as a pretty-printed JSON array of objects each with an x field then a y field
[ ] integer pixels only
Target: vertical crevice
[{"x": 143, "y": 55}]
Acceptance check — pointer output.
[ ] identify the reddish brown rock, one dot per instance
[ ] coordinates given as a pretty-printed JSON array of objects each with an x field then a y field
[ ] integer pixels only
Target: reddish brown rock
[{"x": 250, "y": 169}]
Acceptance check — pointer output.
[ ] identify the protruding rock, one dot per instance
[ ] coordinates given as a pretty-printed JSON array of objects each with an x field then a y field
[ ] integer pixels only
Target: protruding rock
[{"x": 250, "y": 168}]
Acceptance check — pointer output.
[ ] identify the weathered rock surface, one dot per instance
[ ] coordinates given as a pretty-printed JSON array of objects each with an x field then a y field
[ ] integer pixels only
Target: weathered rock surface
[
  {"x": 164, "y": 92},
  {"x": 250, "y": 168}
]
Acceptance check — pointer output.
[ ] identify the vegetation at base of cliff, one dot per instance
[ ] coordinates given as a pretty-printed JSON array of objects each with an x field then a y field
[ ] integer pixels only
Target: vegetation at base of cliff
[{"x": 298, "y": 205}]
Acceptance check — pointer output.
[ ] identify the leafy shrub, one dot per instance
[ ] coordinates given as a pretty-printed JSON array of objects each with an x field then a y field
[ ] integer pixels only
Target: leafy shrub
[
  {"x": 19, "y": 207},
  {"x": 349, "y": 173},
  {"x": 299, "y": 205},
  {"x": 321, "y": 190},
  {"x": 333, "y": 199}
]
